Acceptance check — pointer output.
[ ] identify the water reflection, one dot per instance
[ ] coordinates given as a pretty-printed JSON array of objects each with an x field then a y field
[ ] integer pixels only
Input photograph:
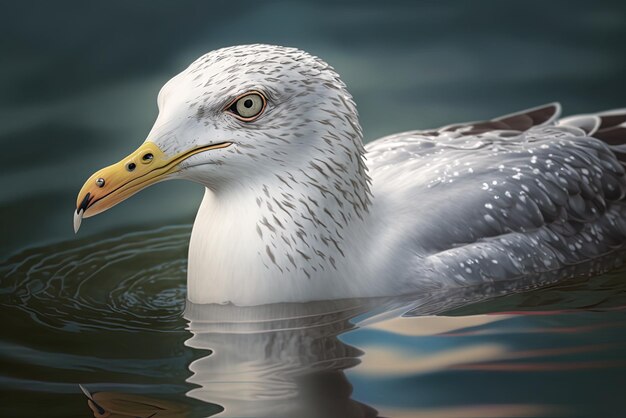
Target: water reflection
[
  {"x": 289, "y": 360},
  {"x": 282, "y": 360},
  {"x": 109, "y": 313}
]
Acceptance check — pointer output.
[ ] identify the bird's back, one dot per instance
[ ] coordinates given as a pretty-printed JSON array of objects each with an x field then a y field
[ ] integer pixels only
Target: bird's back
[{"x": 526, "y": 198}]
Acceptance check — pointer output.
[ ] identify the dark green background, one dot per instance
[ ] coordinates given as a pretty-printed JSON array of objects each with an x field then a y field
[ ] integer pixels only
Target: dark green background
[{"x": 79, "y": 79}]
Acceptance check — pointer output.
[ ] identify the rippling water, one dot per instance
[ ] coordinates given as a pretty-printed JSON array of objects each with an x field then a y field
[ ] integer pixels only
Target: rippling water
[
  {"x": 131, "y": 282},
  {"x": 111, "y": 314}
]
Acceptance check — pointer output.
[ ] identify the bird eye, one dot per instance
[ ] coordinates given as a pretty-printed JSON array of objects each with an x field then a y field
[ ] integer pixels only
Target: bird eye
[{"x": 248, "y": 107}]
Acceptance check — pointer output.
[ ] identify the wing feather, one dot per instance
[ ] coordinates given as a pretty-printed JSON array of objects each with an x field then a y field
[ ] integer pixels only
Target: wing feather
[{"x": 517, "y": 196}]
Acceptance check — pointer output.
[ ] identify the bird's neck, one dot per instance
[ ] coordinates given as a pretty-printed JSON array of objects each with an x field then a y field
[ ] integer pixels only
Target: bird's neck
[{"x": 285, "y": 239}]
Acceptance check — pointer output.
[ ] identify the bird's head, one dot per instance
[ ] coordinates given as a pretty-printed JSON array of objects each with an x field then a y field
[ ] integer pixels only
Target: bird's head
[{"x": 236, "y": 116}]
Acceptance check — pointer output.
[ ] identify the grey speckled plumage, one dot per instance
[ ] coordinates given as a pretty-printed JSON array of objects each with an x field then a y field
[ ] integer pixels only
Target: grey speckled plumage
[
  {"x": 296, "y": 208},
  {"x": 524, "y": 198}
]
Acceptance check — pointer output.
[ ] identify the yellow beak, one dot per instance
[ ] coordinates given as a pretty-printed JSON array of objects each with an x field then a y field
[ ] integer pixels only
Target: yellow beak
[{"x": 116, "y": 183}]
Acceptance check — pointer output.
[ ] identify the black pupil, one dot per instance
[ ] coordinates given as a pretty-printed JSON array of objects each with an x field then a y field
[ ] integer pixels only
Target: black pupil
[{"x": 248, "y": 103}]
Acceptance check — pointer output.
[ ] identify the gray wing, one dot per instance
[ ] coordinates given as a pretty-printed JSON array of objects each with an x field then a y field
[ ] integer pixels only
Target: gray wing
[{"x": 521, "y": 196}]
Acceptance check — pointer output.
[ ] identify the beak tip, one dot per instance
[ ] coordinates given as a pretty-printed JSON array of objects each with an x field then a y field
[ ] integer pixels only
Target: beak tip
[{"x": 78, "y": 218}]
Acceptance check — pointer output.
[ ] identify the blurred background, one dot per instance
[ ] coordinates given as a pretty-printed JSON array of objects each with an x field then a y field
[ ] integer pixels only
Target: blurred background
[{"x": 79, "y": 80}]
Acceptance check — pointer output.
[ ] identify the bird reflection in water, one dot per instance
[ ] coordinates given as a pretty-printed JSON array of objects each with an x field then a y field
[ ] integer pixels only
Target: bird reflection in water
[
  {"x": 282, "y": 360},
  {"x": 287, "y": 360}
]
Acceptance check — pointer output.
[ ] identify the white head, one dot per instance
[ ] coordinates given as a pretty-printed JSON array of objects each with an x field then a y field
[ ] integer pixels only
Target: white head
[
  {"x": 273, "y": 134},
  {"x": 243, "y": 116}
]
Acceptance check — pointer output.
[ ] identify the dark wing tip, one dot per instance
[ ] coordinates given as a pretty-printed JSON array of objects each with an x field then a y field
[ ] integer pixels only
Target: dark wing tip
[
  {"x": 518, "y": 121},
  {"x": 537, "y": 116},
  {"x": 612, "y": 127}
]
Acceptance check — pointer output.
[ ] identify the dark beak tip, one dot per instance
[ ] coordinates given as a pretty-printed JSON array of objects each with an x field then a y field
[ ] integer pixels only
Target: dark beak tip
[{"x": 84, "y": 203}]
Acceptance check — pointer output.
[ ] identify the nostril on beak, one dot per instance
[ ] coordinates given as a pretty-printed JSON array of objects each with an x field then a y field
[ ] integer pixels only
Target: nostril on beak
[
  {"x": 131, "y": 166},
  {"x": 148, "y": 157}
]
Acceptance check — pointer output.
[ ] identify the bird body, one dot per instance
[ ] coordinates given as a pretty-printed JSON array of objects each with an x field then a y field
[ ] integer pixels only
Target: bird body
[{"x": 297, "y": 209}]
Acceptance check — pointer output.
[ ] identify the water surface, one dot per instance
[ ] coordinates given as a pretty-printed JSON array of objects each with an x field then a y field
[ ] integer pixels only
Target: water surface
[{"x": 111, "y": 314}]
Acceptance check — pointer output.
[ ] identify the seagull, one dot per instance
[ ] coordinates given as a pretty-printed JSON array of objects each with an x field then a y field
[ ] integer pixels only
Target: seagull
[{"x": 296, "y": 208}]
